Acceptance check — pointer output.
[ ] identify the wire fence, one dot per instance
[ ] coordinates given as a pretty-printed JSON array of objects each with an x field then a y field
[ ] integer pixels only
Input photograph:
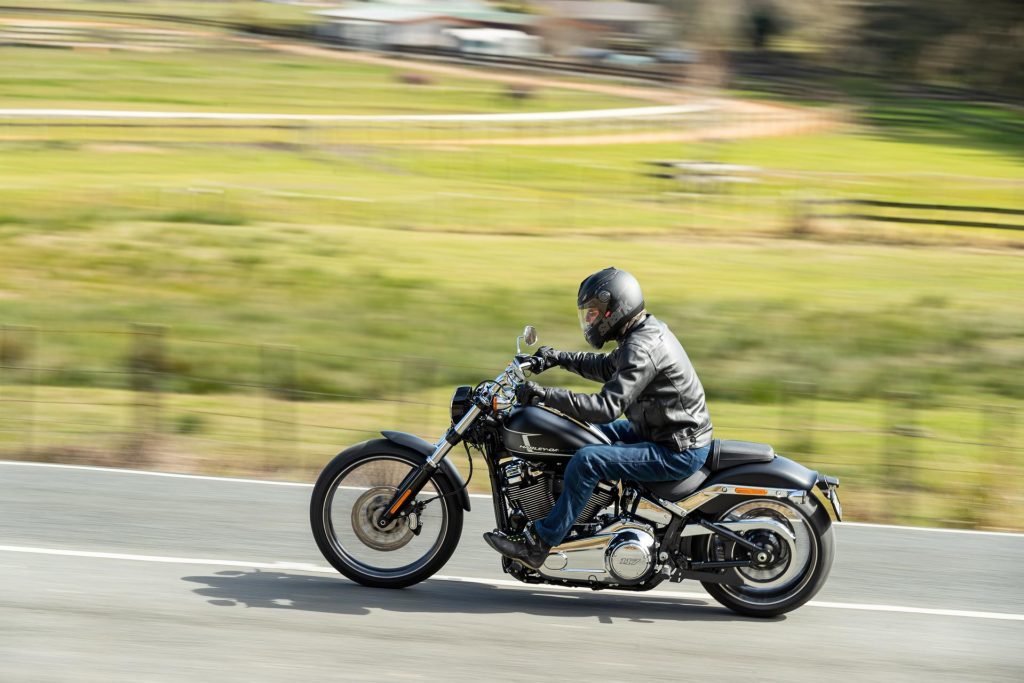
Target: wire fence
[{"x": 902, "y": 459}]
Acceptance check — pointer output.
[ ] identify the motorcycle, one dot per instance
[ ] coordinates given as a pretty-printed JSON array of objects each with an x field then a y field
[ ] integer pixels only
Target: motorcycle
[{"x": 755, "y": 528}]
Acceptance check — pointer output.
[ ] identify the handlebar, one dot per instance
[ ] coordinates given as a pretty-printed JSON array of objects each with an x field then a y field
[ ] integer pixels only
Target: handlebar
[{"x": 525, "y": 362}]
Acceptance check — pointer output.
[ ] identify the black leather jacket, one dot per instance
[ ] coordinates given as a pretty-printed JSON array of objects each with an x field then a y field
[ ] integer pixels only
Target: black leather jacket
[{"x": 649, "y": 378}]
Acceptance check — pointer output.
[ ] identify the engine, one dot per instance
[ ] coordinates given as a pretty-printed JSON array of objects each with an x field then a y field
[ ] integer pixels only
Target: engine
[
  {"x": 622, "y": 553},
  {"x": 532, "y": 490}
]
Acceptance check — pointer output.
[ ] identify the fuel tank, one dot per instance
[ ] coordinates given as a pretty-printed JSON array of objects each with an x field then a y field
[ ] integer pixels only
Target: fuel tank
[{"x": 542, "y": 433}]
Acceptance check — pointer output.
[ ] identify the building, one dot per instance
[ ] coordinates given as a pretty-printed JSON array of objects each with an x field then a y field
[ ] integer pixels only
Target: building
[
  {"x": 395, "y": 24},
  {"x": 569, "y": 24},
  {"x": 496, "y": 41}
]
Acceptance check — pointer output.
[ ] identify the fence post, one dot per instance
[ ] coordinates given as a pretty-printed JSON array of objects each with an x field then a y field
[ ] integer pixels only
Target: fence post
[
  {"x": 899, "y": 456},
  {"x": 279, "y": 426},
  {"x": 996, "y": 487},
  {"x": 415, "y": 375},
  {"x": 14, "y": 356},
  {"x": 795, "y": 423},
  {"x": 146, "y": 363}
]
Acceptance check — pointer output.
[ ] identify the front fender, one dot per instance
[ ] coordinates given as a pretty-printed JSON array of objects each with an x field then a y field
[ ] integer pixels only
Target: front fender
[{"x": 424, "y": 447}]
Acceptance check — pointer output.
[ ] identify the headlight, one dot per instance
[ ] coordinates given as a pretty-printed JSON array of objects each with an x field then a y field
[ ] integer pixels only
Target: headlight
[{"x": 461, "y": 400}]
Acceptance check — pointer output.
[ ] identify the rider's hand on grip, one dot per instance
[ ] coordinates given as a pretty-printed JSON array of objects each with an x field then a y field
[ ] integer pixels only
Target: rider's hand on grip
[
  {"x": 530, "y": 393},
  {"x": 545, "y": 358}
]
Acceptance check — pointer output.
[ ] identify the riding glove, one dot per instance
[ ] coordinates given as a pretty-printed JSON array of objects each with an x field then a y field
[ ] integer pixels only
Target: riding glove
[
  {"x": 544, "y": 359},
  {"x": 530, "y": 393}
]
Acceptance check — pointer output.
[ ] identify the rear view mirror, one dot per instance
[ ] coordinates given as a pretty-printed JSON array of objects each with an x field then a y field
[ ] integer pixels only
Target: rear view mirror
[{"x": 530, "y": 335}]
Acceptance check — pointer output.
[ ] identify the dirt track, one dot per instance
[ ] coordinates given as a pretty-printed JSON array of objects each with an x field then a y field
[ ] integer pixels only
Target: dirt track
[{"x": 738, "y": 119}]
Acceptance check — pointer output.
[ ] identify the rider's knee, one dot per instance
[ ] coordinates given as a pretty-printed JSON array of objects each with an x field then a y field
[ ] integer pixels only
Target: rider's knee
[{"x": 585, "y": 461}]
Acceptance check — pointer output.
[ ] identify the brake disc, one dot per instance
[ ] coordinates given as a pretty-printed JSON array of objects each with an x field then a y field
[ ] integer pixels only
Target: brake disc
[{"x": 367, "y": 509}]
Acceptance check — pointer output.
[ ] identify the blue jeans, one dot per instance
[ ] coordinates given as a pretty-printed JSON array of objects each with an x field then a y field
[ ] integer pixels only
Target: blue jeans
[{"x": 626, "y": 458}]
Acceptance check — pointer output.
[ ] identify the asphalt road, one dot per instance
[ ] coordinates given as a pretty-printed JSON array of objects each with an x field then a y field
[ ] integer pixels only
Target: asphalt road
[{"x": 108, "y": 575}]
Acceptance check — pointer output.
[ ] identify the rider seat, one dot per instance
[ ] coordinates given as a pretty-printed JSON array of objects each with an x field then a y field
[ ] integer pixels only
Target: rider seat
[{"x": 723, "y": 454}]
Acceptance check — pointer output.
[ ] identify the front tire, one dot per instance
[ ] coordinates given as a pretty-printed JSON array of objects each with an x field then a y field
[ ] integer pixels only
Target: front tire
[
  {"x": 795, "y": 574},
  {"x": 353, "y": 488}
]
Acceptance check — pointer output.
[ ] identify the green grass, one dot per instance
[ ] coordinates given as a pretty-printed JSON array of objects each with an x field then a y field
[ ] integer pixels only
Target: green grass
[
  {"x": 253, "y": 12},
  {"x": 858, "y": 320},
  {"x": 500, "y": 190},
  {"x": 254, "y": 81}
]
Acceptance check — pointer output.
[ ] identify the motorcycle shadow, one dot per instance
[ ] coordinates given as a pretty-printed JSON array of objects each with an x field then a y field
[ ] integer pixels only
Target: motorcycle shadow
[{"x": 305, "y": 592}]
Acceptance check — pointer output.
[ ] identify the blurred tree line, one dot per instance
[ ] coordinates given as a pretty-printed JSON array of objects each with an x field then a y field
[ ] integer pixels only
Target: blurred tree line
[{"x": 949, "y": 42}]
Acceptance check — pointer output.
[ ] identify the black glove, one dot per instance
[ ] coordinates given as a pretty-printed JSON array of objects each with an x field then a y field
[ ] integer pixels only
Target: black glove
[
  {"x": 530, "y": 393},
  {"x": 545, "y": 358}
]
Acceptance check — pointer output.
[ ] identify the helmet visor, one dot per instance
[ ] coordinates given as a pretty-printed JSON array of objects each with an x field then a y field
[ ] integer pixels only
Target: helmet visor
[{"x": 590, "y": 314}]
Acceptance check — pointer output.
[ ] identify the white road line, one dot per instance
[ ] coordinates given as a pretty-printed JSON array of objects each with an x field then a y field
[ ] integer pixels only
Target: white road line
[
  {"x": 172, "y": 475},
  {"x": 268, "y": 482},
  {"x": 501, "y": 583},
  {"x": 897, "y": 527}
]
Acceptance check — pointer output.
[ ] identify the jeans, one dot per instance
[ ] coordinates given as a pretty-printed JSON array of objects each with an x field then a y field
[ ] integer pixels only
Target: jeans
[{"x": 625, "y": 458}]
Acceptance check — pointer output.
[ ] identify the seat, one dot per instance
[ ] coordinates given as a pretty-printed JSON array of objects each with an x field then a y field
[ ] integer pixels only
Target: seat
[
  {"x": 725, "y": 454},
  {"x": 677, "y": 490}
]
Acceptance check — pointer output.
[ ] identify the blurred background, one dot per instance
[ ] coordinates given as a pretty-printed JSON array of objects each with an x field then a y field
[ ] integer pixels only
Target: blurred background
[{"x": 237, "y": 236}]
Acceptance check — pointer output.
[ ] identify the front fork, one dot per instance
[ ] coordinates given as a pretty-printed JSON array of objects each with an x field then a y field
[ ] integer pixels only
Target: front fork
[{"x": 418, "y": 478}]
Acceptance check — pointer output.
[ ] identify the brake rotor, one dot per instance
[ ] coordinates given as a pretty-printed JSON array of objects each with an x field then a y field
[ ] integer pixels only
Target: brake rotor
[{"x": 367, "y": 509}]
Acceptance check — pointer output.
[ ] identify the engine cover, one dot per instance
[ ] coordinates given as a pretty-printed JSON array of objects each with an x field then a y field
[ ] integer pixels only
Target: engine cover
[
  {"x": 621, "y": 553},
  {"x": 630, "y": 555}
]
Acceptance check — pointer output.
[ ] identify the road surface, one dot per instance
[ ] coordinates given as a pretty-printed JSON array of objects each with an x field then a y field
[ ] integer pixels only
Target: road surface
[{"x": 110, "y": 575}]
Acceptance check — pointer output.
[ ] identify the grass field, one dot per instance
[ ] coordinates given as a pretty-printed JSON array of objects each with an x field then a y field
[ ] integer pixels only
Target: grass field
[
  {"x": 366, "y": 253},
  {"x": 247, "y": 80},
  {"x": 253, "y": 12}
]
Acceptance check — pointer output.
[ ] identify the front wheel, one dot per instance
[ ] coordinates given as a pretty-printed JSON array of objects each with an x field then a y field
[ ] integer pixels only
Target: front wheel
[
  {"x": 348, "y": 498},
  {"x": 790, "y": 572}
]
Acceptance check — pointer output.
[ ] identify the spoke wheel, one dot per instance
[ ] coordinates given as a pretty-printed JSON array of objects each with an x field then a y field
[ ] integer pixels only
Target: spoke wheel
[{"x": 348, "y": 500}]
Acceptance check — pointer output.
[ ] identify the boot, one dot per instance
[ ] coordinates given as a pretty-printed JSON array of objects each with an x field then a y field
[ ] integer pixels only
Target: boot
[{"x": 526, "y": 547}]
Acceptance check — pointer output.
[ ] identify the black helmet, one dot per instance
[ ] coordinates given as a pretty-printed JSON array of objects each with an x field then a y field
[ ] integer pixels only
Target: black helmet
[{"x": 608, "y": 300}]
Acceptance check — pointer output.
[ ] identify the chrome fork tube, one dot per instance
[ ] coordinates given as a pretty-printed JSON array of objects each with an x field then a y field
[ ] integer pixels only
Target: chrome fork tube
[
  {"x": 417, "y": 479},
  {"x": 452, "y": 437}
]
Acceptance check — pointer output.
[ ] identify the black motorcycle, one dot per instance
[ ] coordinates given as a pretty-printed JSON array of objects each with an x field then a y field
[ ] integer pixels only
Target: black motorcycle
[{"x": 753, "y": 527}]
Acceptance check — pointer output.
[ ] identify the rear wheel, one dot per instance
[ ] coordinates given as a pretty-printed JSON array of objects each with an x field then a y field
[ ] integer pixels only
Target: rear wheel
[
  {"x": 792, "y": 568},
  {"x": 349, "y": 497}
]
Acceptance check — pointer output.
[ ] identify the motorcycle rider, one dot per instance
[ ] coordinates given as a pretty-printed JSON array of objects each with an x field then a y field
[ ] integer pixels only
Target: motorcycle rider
[{"x": 667, "y": 431}]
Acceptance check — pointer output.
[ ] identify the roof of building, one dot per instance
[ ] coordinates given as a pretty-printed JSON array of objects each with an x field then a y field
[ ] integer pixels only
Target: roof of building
[
  {"x": 388, "y": 14},
  {"x": 605, "y": 10},
  {"x": 488, "y": 34},
  {"x": 404, "y": 12}
]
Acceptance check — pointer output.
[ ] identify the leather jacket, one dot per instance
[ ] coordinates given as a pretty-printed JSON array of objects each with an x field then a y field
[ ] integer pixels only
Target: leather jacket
[{"x": 649, "y": 378}]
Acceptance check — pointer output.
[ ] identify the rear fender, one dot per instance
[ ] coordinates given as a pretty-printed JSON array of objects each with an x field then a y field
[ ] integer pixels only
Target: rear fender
[
  {"x": 780, "y": 472},
  {"x": 425, "y": 448}
]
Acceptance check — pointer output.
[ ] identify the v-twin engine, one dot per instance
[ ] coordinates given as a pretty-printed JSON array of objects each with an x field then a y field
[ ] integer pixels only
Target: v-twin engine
[
  {"x": 532, "y": 490},
  {"x": 621, "y": 553}
]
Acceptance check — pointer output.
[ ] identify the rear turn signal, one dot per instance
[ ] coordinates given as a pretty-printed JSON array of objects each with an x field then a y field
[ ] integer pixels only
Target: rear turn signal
[{"x": 752, "y": 492}]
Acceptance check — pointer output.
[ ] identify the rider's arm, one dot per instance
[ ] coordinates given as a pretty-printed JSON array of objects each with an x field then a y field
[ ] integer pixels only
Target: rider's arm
[
  {"x": 599, "y": 367},
  {"x": 634, "y": 369}
]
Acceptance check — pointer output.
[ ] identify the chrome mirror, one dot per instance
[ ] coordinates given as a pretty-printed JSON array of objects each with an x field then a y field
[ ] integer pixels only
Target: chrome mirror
[{"x": 529, "y": 335}]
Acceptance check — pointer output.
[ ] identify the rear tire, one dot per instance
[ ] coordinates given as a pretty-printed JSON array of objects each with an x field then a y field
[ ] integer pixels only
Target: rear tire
[
  {"x": 367, "y": 561},
  {"x": 751, "y": 599}
]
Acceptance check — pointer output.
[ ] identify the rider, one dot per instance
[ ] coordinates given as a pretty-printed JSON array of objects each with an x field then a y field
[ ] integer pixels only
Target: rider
[{"x": 667, "y": 433}]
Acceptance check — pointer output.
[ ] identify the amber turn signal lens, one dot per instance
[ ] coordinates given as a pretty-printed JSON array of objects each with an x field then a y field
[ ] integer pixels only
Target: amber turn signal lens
[{"x": 752, "y": 492}]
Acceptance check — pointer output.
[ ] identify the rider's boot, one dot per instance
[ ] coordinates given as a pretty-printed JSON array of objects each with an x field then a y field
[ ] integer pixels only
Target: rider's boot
[{"x": 526, "y": 547}]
